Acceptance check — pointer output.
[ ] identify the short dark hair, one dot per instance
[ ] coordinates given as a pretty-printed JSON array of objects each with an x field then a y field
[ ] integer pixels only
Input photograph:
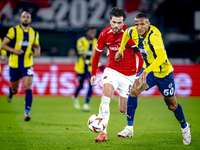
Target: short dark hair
[
  {"x": 142, "y": 15},
  {"x": 117, "y": 12},
  {"x": 90, "y": 28}
]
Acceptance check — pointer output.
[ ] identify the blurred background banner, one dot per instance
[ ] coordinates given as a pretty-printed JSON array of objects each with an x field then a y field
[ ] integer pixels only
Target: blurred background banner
[
  {"x": 61, "y": 23},
  {"x": 59, "y": 15},
  {"x": 59, "y": 79}
]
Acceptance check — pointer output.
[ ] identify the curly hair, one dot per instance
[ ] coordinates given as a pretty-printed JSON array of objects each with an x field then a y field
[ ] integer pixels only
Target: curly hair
[{"x": 117, "y": 12}]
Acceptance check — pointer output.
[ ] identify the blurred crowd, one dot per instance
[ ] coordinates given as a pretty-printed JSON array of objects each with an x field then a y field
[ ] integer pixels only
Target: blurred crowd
[{"x": 174, "y": 18}]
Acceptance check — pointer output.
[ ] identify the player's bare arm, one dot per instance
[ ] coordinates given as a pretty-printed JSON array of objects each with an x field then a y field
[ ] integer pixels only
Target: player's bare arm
[
  {"x": 118, "y": 55},
  {"x": 37, "y": 50},
  {"x": 93, "y": 78},
  {"x": 5, "y": 46},
  {"x": 138, "y": 87},
  {"x": 142, "y": 77}
]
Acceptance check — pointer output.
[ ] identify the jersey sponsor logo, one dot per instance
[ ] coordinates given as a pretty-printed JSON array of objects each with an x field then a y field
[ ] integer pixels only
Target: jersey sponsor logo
[
  {"x": 143, "y": 50},
  {"x": 89, "y": 53},
  {"x": 114, "y": 48},
  {"x": 24, "y": 43}
]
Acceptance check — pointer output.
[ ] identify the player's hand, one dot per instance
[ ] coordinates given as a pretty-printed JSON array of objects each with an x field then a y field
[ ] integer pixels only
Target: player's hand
[
  {"x": 36, "y": 53},
  {"x": 18, "y": 51},
  {"x": 3, "y": 57},
  {"x": 93, "y": 78},
  {"x": 118, "y": 55},
  {"x": 99, "y": 64},
  {"x": 142, "y": 77}
]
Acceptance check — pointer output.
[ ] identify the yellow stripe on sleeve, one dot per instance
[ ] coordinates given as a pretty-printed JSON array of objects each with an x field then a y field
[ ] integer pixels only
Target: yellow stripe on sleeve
[{"x": 125, "y": 39}]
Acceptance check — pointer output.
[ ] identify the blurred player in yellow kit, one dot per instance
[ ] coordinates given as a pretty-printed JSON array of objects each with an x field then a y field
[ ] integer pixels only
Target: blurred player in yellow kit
[
  {"x": 22, "y": 42},
  {"x": 85, "y": 47}
]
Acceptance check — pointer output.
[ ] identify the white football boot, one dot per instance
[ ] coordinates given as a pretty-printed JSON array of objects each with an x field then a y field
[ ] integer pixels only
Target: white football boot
[
  {"x": 127, "y": 132},
  {"x": 86, "y": 108},
  {"x": 186, "y": 134},
  {"x": 76, "y": 103}
]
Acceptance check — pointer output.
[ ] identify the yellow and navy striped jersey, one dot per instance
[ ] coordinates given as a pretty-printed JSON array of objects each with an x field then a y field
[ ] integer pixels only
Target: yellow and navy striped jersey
[
  {"x": 152, "y": 49},
  {"x": 24, "y": 40},
  {"x": 2, "y": 52},
  {"x": 85, "y": 48}
]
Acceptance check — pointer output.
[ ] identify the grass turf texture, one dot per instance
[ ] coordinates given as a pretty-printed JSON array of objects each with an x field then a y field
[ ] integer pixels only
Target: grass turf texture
[{"x": 55, "y": 124}]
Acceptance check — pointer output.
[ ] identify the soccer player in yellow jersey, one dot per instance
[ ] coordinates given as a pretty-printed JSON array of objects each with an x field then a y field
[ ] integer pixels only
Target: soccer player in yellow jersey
[
  {"x": 85, "y": 47},
  {"x": 157, "y": 70},
  {"x": 22, "y": 42}
]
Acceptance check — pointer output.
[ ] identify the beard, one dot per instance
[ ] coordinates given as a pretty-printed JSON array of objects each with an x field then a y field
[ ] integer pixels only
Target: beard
[
  {"x": 116, "y": 30},
  {"x": 25, "y": 24}
]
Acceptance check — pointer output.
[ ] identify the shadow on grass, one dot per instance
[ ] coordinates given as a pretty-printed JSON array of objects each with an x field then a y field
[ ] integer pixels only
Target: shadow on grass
[
  {"x": 52, "y": 124},
  {"x": 8, "y": 112}
]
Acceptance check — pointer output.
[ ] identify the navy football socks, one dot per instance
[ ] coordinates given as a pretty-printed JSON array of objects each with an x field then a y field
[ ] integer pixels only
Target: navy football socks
[
  {"x": 10, "y": 93},
  {"x": 78, "y": 90},
  {"x": 131, "y": 107},
  {"x": 28, "y": 100},
  {"x": 180, "y": 116},
  {"x": 89, "y": 94}
]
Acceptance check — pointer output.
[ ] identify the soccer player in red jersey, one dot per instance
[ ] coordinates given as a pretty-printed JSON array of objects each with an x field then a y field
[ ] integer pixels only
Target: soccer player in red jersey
[{"x": 118, "y": 75}]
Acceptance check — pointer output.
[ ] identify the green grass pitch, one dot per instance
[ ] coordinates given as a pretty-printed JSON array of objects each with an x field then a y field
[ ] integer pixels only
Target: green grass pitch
[{"x": 55, "y": 124}]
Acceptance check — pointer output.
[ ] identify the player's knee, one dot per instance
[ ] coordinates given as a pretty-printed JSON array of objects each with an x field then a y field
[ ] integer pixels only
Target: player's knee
[
  {"x": 15, "y": 90},
  {"x": 172, "y": 107},
  {"x": 26, "y": 86},
  {"x": 122, "y": 110},
  {"x": 134, "y": 92}
]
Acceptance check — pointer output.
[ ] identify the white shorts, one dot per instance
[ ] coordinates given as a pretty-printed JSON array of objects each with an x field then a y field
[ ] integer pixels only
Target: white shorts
[{"x": 121, "y": 83}]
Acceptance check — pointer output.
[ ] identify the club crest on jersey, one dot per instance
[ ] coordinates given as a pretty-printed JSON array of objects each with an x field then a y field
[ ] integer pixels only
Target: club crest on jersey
[
  {"x": 170, "y": 85},
  {"x": 145, "y": 42},
  {"x": 32, "y": 36}
]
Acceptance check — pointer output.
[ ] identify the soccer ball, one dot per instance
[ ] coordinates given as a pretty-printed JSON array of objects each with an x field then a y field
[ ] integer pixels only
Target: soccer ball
[{"x": 97, "y": 123}]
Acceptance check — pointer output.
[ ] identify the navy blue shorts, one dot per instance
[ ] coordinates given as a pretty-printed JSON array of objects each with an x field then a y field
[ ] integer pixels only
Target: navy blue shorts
[
  {"x": 165, "y": 85},
  {"x": 81, "y": 77},
  {"x": 20, "y": 72}
]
